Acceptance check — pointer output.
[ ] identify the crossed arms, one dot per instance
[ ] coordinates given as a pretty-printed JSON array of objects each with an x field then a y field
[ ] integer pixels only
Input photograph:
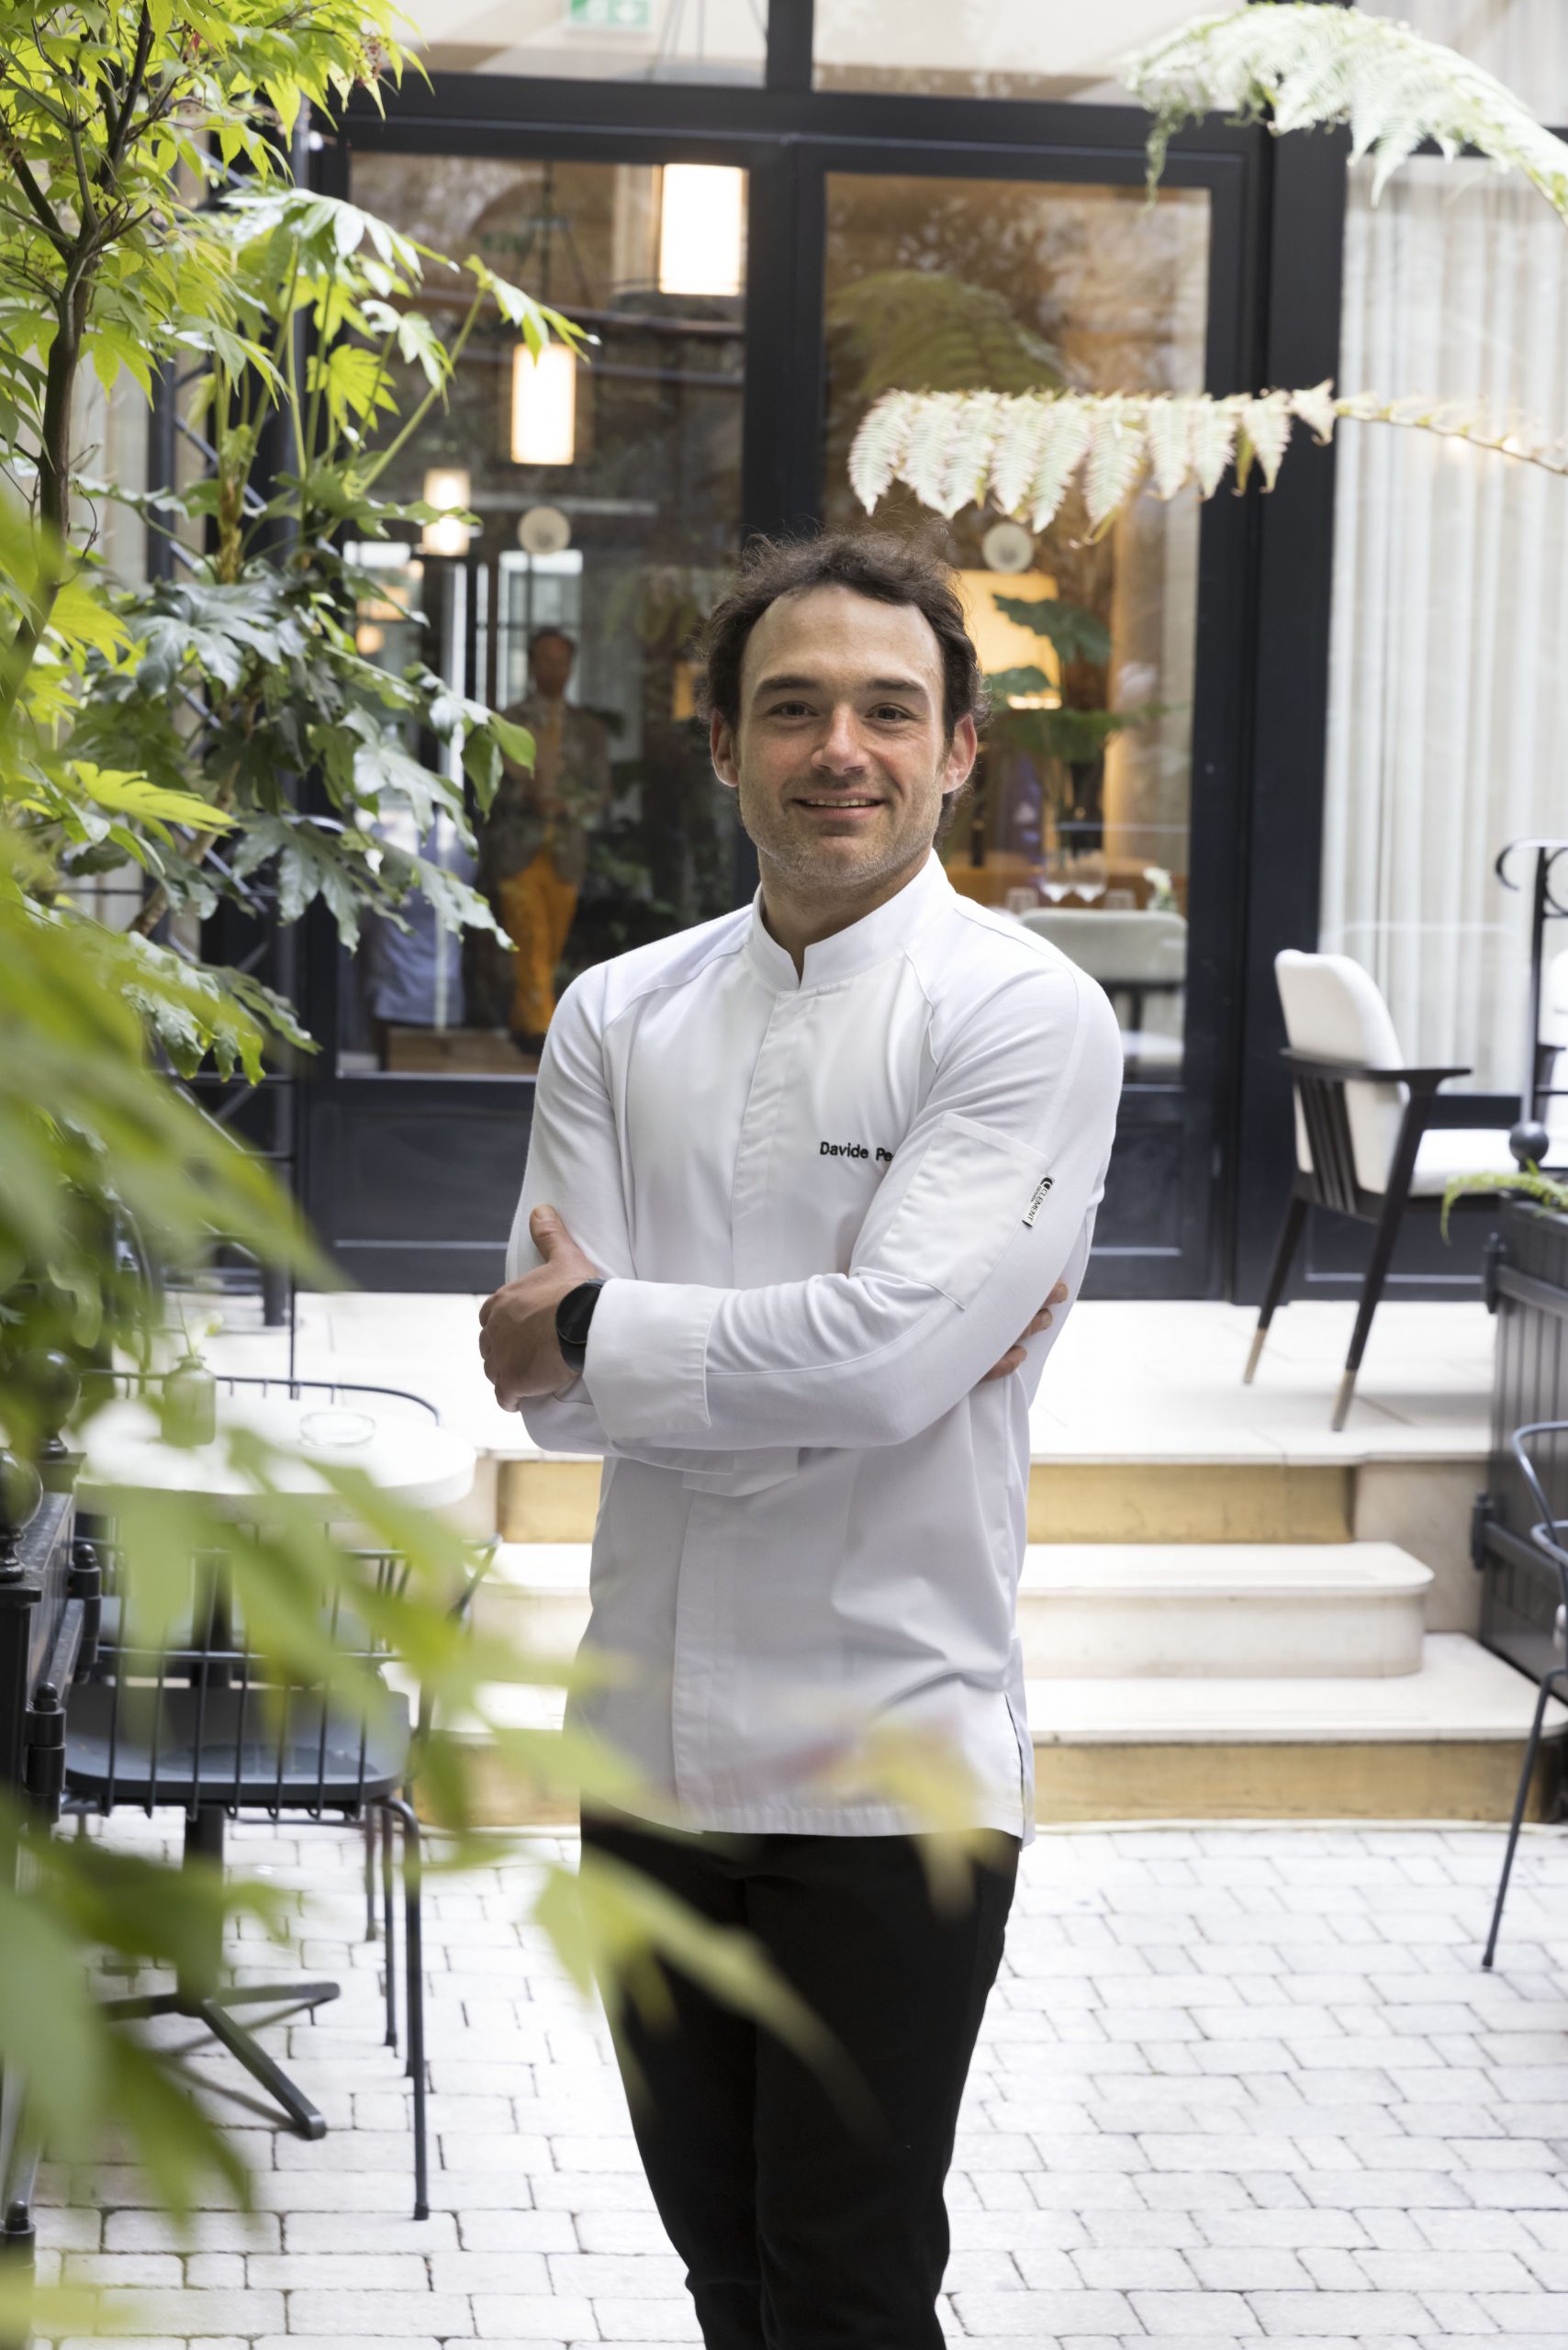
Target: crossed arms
[{"x": 985, "y": 1206}]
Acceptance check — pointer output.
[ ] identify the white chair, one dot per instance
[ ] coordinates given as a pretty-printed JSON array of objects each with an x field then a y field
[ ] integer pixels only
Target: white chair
[
  {"x": 1136, "y": 957},
  {"x": 1366, "y": 1144}
]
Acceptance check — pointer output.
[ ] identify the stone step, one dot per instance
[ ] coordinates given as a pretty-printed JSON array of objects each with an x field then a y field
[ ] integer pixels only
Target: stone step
[
  {"x": 543, "y": 1498},
  {"x": 1443, "y": 1743},
  {"x": 1219, "y": 1610}
]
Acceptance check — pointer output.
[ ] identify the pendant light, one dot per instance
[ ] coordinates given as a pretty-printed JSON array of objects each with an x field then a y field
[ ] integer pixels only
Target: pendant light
[
  {"x": 446, "y": 486},
  {"x": 543, "y": 406},
  {"x": 702, "y": 229}
]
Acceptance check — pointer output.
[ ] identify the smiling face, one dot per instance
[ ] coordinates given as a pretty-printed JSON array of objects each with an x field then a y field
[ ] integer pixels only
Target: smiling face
[{"x": 841, "y": 757}]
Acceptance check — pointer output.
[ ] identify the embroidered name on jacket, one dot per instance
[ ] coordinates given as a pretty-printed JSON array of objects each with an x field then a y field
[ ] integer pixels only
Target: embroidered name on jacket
[
  {"x": 1041, "y": 1188},
  {"x": 852, "y": 1150}
]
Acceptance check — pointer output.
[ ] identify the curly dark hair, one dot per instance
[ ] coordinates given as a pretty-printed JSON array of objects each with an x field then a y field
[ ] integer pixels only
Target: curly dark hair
[{"x": 889, "y": 568}]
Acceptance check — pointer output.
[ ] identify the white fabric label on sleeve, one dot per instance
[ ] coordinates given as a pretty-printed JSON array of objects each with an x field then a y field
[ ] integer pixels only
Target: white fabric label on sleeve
[
  {"x": 1041, "y": 1188},
  {"x": 959, "y": 1208}
]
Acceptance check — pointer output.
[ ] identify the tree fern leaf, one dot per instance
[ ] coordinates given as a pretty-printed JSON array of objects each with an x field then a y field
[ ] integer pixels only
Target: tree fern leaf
[
  {"x": 1062, "y": 444},
  {"x": 1167, "y": 425},
  {"x": 1116, "y": 457},
  {"x": 1267, "y": 424},
  {"x": 877, "y": 450},
  {"x": 1015, "y": 453},
  {"x": 1212, "y": 430},
  {"x": 1316, "y": 64},
  {"x": 925, "y": 464},
  {"x": 1315, "y": 408},
  {"x": 968, "y": 451}
]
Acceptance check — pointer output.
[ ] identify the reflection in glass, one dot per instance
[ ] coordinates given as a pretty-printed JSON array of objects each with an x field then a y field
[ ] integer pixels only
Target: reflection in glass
[
  {"x": 607, "y": 493},
  {"x": 987, "y": 49},
  {"x": 596, "y": 40},
  {"x": 1083, "y": 788}
]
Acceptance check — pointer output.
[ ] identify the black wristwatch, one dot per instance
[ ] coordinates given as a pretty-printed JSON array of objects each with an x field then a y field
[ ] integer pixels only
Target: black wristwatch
[{"x": 573, "y": 1316}]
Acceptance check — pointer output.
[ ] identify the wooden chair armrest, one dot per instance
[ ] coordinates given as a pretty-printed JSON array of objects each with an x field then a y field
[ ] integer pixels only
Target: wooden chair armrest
[{"x": 1419, "y": 1080}]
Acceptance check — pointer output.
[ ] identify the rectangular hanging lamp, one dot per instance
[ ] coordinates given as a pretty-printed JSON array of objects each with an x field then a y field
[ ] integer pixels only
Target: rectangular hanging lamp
[
  {"x": 446, "y": 486},
  {"x": 702, "y": 229},
  {"x": 543, "y": 406}
]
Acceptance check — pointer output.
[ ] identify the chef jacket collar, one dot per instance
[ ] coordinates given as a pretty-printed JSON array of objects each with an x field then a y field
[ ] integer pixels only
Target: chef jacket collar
[{"x": 857, "y": 946}]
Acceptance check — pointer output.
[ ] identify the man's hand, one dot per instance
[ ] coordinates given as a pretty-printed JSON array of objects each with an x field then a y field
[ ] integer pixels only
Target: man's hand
[
  {"x": 1015, "y": 1355},
  {"x": 517, "y": 1324}
]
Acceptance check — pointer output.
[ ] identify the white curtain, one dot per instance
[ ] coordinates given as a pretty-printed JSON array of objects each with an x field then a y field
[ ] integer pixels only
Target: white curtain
[
  {"x": 1523, "y": 43},
  {"x": 1449, "y": 691}
]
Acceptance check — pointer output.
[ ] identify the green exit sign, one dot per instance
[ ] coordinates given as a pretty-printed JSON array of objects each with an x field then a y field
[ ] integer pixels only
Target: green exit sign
[{"x": 611, "y": 15}]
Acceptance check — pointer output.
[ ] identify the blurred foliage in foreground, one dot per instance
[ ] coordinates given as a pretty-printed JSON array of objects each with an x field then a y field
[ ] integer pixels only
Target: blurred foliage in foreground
[{"x": 219, "y": 734}]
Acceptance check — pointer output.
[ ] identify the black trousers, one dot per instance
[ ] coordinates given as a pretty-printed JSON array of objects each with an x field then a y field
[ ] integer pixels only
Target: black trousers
[{"x": 806, "y": 2223}]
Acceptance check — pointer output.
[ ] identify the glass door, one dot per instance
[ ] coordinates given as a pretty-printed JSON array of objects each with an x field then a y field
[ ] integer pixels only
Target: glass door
[
  {"x": 607, "y": 492},
  {"x": 1080, "y": 825}
]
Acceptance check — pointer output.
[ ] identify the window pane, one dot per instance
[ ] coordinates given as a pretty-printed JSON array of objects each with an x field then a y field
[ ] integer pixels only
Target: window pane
[
  {"x": 1449, "y": 696},
  {"x": 1078, "y": 820},
  {"x": 608, "y": 494},
  {"x": 987, "y": 49},
  {"x": 596, "y": 40}
]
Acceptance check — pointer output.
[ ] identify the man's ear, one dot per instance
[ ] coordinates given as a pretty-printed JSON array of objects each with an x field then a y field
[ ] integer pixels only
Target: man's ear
[
  {"x": 962, "y": 752},
  {"x": 722, "y": 749}
]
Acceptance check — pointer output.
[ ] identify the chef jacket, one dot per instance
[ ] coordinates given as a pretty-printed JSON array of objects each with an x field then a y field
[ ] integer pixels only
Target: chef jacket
[{"x": 826, "y": 1204}]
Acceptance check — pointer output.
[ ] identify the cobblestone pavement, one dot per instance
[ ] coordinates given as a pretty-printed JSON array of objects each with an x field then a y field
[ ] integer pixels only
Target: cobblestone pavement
[{"x": 1234, "y": 2085}]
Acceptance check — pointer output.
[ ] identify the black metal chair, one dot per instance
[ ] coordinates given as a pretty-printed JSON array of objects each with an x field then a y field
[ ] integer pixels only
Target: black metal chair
[
  {"x": 1375, "y": 1141},
  {"x": 1548, "y": 1534},
  {"x": 189, "y": 1720}
]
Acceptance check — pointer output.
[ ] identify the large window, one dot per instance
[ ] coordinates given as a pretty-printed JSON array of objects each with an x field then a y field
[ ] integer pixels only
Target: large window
[
  {"x": 1079, "y": 823},
  {"x": 608, "y": 497},
  {"x": 1449, "y": 703}
]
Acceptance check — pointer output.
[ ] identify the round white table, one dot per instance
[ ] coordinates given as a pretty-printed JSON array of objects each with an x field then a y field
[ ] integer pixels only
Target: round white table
[{"x": 409, "y": 1457}]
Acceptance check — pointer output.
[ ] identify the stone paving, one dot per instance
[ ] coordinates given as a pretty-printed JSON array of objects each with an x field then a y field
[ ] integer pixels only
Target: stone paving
[{"x": 1234, "y": 2085}]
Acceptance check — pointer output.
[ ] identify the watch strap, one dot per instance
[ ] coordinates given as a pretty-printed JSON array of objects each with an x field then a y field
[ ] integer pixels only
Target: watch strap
[{"x": 574, "y": 1315}]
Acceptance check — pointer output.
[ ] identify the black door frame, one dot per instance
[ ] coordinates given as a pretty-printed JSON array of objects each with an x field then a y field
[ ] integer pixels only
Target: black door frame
[{"x": 383, "y": 1150}]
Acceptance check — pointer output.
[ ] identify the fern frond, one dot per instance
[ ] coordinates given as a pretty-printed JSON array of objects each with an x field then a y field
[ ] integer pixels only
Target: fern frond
[
  {"x": 1168, "y": 432},
  {"x": 931, "y": 430},
  {"x": 952, "y": 448},
  {"x": 1316, "y": 409},
  {"x": 968, "y": 451},
  {"x": 1117, "y": 458},
  {"x": 1267, "y": 424},
  {"x": 1015, "y": 453},
  {"x": 1213, "y": 430},
  {"x": 1062, "y": 444},
  {"x": 1547, "y": 1191},
  {"x": 880, "y": 447},
  {"x": 1315, "y": 64}
]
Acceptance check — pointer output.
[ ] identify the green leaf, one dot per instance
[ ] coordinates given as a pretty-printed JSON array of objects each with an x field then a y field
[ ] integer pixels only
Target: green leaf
[{"x": 1077, "y": 633}]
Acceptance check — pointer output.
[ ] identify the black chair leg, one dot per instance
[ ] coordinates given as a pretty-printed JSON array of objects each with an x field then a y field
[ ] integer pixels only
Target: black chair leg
[
  {"x": 1278, "y": 1274},
  {"x": 413, "y": 1935},
  {"x": 1372, "y": 1290},
  {"x": 369, "y": 1824},
  {"x": 389, "y": 1933},
  {"x": 1532, "y": 1748}
]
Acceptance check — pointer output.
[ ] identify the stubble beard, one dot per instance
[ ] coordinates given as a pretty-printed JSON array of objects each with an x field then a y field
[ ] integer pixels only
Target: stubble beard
[{"x": 798, "y": 860}]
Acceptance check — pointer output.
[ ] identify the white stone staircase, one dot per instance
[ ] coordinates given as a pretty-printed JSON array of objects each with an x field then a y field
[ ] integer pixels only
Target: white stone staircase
[{"x": 1200, "y": 1679}]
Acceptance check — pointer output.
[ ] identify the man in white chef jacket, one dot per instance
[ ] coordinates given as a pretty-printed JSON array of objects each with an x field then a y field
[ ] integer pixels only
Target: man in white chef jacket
[{"x": 801, "y": 1185}]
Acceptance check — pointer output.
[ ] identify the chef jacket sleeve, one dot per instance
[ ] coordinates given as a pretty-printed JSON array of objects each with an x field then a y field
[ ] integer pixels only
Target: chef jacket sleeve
[
  {"x": 985, "y": 1204},
  {"x": 574, "y": 1165}
]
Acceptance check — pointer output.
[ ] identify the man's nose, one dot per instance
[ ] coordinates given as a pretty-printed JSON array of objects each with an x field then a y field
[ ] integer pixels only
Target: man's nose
[{"x": 841, "y": 751}]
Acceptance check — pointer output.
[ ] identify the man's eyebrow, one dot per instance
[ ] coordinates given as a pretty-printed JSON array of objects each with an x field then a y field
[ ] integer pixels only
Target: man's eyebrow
[{"x": 909, "y": 687}]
